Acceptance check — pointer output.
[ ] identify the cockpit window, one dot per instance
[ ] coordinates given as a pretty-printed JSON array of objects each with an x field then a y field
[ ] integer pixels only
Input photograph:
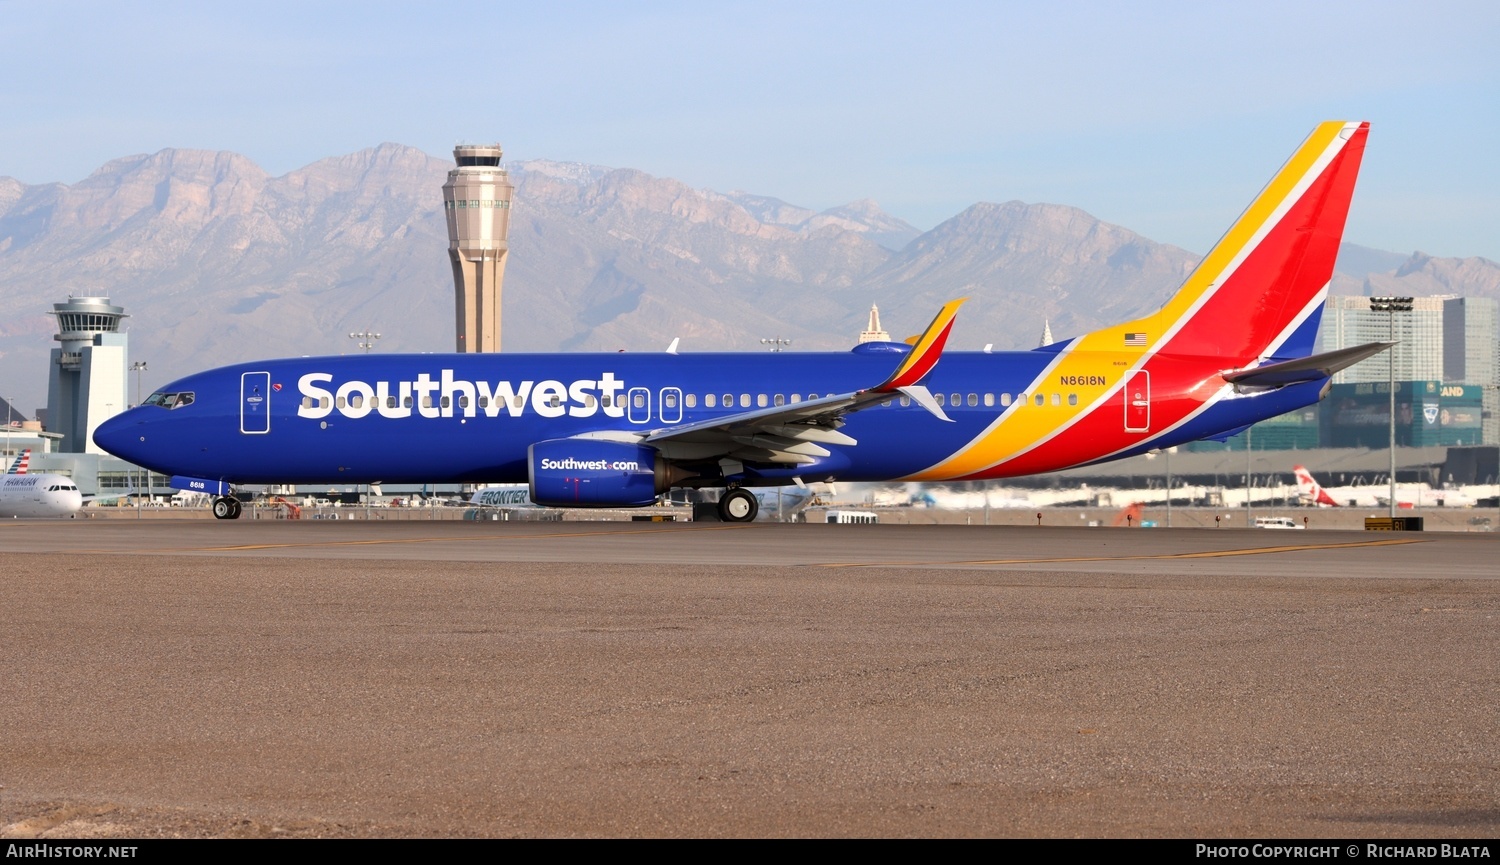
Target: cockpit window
[{"x": 170, "y": 400}]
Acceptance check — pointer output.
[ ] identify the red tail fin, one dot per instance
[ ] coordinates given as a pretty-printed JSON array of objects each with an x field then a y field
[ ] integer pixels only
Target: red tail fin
[
  {"x": 1269, "y": 274},
  {"x": 1309, "y": 490}
]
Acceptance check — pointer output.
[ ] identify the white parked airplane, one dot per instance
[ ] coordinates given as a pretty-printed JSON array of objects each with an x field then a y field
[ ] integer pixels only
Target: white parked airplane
[
  {"x": 502, "y": 496},
  {"x": 929, "y": 496},
  {"x": 785, "y": 502},
  {"x": 45, "y": 495},
  {"x": 1310, "y": 492}
]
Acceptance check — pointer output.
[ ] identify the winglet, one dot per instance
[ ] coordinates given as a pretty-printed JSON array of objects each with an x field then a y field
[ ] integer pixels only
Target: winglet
[{"x": 925, "y": 352}]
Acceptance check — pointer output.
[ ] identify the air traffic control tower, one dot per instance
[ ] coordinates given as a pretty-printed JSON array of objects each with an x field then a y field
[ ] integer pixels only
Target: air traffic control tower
[
  {"x": 86, "y": 384},
  {"x": 477, "y": 197}
]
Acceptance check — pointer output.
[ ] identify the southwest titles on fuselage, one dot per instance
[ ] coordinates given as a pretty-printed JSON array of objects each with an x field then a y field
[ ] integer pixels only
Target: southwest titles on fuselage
[{"x": 548, "y": 398}]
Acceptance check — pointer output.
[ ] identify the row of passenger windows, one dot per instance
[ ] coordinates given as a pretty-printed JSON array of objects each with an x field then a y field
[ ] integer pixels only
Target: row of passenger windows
[
  {"x": 479, "y": 204},
  {"x": 669, "y": 400},
  {"x": 956, "y": 399}
]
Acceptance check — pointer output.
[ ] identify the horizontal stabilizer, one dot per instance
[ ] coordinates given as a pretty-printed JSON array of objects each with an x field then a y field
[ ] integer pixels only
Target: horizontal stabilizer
[{"x": 1305, "y": 368}]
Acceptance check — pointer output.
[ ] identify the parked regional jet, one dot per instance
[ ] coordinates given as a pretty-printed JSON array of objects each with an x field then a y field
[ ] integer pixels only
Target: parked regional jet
[{"x": 1231, "y": 347}]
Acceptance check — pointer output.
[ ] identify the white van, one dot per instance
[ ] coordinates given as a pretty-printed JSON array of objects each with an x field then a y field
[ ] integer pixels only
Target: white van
[{"x": 1276, "y": 523}]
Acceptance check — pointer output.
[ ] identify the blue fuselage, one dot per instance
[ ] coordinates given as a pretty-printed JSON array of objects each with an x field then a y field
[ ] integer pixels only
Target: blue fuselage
[{"x": 430, "y": 418}]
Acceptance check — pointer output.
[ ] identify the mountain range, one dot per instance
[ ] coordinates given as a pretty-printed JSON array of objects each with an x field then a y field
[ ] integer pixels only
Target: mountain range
[{"x": 217, "y": 262}]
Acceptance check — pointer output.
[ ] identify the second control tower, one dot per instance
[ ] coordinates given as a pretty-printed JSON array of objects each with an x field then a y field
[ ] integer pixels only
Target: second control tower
[{"x": 477, "y": 198}]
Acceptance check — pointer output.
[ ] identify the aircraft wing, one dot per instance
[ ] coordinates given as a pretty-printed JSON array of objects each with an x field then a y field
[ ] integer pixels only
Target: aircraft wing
[
  {"x": 114, "y": 496},
  {"x": 795, "y": 433}
]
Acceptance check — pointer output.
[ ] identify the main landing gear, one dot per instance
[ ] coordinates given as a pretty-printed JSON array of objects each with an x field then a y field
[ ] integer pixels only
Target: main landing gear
[
  {"x": 226, "y": 508},
  {"x": 738, "y": 505}
]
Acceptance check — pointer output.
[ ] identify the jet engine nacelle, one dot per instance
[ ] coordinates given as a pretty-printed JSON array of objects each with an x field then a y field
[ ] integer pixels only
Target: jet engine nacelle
[{"x": 586, "y": 473}]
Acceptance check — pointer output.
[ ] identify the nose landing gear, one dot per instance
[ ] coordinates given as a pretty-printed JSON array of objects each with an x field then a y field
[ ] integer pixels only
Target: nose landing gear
[{"x": 226, "y": 508}]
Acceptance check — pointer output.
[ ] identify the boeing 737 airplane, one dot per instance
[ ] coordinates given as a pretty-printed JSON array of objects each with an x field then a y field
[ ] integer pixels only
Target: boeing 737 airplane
[{"x": 1231, "y": 347}]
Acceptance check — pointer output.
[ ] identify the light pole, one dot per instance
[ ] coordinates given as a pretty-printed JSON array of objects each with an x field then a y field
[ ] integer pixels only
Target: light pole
[
  {"x": 366, "y": 339},
  {"x": 139, "y": 367},
  {"x": 1390, "y": 306},
  {"x": 1167, "y": 457},
  {"x": 1166, "y": 454},
  {"x": 776, "y": 343},
  {"x": 1249, "y": 521}
]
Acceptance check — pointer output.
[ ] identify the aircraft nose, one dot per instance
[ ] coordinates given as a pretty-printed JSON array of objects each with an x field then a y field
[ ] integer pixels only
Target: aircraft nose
[{"x": 121, "y": 435}]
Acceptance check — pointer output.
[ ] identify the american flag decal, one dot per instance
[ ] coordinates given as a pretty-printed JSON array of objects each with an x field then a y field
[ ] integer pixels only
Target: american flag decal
[{"x": 1135, "y": 339}]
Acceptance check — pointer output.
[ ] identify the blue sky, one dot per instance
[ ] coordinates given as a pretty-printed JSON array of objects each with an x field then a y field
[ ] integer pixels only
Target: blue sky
[{"x": 1165, "y": 118}]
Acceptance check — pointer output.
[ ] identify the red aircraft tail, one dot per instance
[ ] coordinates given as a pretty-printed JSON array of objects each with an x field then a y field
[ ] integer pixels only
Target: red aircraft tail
[{"x": 1310, "y": 491}]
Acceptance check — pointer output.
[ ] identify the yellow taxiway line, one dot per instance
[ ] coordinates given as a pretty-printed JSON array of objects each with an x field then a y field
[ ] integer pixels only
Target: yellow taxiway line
[{"x": 1208, "y": 554}]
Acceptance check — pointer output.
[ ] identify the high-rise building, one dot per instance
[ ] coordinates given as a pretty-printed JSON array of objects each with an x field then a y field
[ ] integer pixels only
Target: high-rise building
[
  {"x": 1452, "y": 343},
  {"x": 1471, "y": 353},
  {"x": 87, "y": 379},
  {"x": 477, "y": 198},
  {"x": 1349, "y": 321}
]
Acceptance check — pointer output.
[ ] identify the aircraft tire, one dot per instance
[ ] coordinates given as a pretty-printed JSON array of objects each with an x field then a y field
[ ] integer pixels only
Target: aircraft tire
[
  {"x": 226, "y": 508},
  {"x": 738, "y": 506},
  {"x": 235, "y": 507}
]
